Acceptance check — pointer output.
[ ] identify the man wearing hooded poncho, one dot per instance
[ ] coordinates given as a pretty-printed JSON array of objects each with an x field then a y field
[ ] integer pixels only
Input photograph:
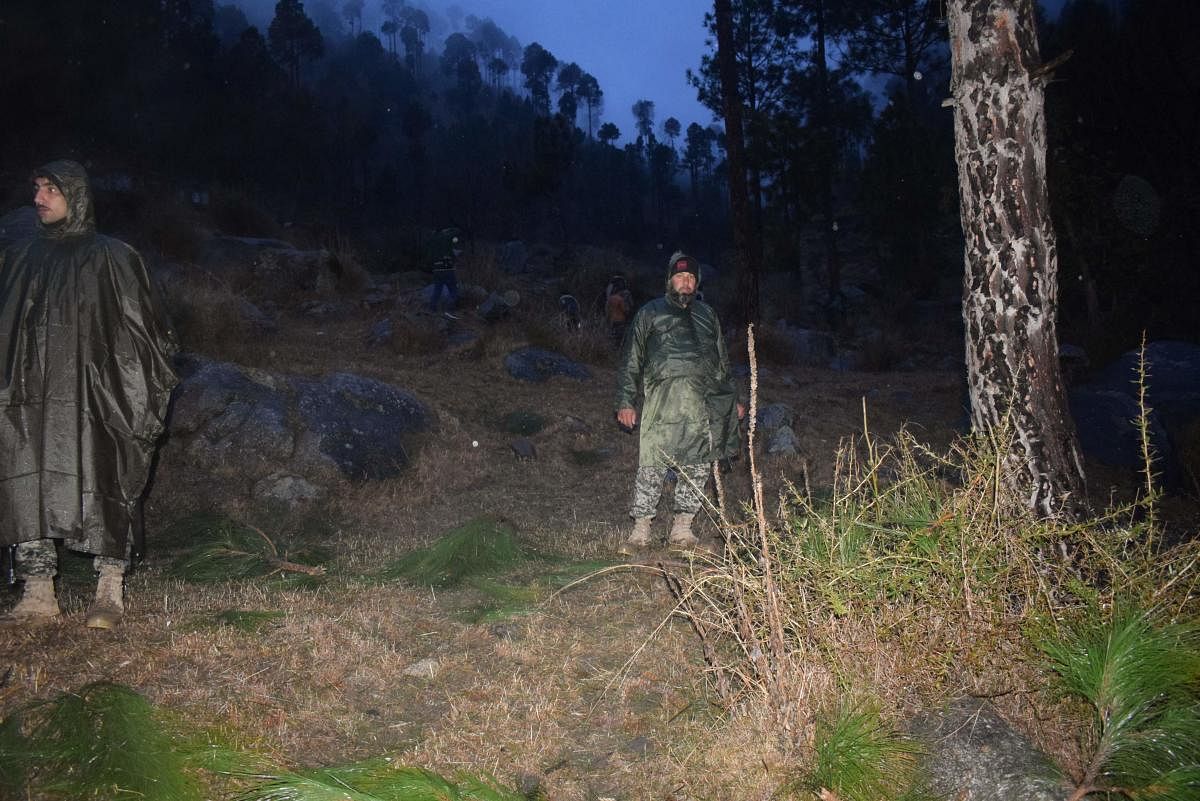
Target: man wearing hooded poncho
[
  {"x": 674, "y": 356},
  {"x": 85, "y": 350}
]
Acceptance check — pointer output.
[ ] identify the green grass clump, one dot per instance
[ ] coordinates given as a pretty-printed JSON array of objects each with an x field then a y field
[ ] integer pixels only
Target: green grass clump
[
  {"x": 107, "y": 742},
  {"x": 247, "y": 621},
  {"x": 101, "y": 742},
  {"x": 856, "y": 756},
  {"x": 221, "y": 549},
  {"x": 481, "y": 546},
  {"x": 1143, "y": 684},
  {"x": 376, "y": 780}
]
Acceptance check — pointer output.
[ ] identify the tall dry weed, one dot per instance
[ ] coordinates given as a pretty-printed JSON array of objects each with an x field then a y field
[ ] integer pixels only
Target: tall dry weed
[{"x": 916, "y": 576}]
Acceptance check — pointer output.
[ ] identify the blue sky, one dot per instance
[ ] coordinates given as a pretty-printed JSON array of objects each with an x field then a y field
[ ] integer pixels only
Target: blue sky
[{"x": 637, "y": 49}]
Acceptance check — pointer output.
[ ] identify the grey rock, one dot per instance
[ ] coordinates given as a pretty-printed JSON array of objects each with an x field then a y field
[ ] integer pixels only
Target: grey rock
[
  {"x": 1173, "y": 385},
  {"x": 381, "y": 333},
  {"x": 537, "y": 365},
  {"x": 423, "y": 669},
  {"x": 227, "y": 415},
  {"x": 288, "y": 488},
  {"x": 974, "y": 755},
  {"x": 523, "y": 448},
  {"x": 775, "y": 415},
  {"x": 1104, "y": 420},
  {"x": 259, "y": 319},
  {"x": 270, "y": 266},
  {"x": 360, "y": 425},
  {"x": 783, "y": 442}
]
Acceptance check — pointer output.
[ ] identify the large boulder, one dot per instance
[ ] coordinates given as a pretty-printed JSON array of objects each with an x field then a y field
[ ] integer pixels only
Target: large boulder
[
  {"x": 538, "y": 365},
  {"x": 974, "y": 755},
  {"x": 358, "y": 423},
  {"x": 261, "y": 423},
  {"x": 1172, "y": 385},
  {"x": 1104, "y": 419}
]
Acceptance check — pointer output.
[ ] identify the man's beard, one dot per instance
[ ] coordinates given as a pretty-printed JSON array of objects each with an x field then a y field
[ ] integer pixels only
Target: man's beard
[{"x": 682, "y": 298}]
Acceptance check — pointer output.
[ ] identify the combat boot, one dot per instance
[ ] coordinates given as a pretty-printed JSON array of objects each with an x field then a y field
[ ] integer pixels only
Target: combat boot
[
  {"x": 639, "y": 538},
  {"x": 681, "y": 532},
  {"x": 108, "y": 606},
  {"x": 37, "y": 601}
]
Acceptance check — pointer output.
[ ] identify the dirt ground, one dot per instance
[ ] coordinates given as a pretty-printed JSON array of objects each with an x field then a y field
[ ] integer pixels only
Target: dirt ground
[{"x": 598, "y": 692}]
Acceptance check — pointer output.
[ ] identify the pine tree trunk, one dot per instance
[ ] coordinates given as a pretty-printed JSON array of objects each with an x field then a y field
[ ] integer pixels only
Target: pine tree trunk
[
  {"x": 739, "y": 195},
  {"x": 1010, "y": 289}
]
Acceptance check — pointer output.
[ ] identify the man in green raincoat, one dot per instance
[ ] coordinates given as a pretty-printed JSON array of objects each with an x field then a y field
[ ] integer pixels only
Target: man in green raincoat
[
  {"x": 674, "y": 356},
  {"x": 85, "y": 351}
]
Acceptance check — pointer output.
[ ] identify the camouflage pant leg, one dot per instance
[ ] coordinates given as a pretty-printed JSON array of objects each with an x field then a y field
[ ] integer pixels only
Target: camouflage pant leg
[
  {"x": 37, "y": 558},
  {"x": 112, "y": 561},
  {"x": 689, "y": 488},
  {"x": 647, "y": 489}
]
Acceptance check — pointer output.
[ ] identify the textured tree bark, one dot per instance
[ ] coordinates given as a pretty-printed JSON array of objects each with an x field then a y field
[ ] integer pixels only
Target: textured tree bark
[
  {"x": 1010, "y": 288},
  {"x": 739, "y": 195}
]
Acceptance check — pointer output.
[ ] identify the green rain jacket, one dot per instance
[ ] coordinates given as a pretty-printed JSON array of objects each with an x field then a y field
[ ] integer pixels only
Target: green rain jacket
[
  {"x": 675, "y": 357},
  {"x": 86, "y": 379}
]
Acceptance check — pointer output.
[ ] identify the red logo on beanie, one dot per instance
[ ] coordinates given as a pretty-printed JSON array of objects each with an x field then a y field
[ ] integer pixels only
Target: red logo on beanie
[{"x": 682, "y": 266}]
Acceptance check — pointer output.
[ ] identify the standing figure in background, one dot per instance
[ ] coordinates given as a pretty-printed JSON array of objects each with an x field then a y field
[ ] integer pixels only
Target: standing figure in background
[
  {"x": 675, "y": 357},
  {"x": 85, "y": 350},
  {"x": 447, "y": 249},
  {"x": 618, "y": 307}
]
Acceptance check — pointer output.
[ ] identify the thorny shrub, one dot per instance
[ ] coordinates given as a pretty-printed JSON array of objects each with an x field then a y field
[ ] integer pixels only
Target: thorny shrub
[{"x": 917, "y": 576}]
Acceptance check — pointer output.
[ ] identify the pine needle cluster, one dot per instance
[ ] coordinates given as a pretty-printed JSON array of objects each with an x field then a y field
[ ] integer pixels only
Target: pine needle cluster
[{"x": 107, "y": 741}]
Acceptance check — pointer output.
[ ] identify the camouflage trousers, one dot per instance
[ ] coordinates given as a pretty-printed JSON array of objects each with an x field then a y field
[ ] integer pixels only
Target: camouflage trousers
[
  {"x": 39, "y": 558},
  {"x": 689, "y": 489}
]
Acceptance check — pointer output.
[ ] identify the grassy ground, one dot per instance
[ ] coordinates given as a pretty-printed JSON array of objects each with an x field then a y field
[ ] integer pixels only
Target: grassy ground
[{"x": 595, "y": 692}]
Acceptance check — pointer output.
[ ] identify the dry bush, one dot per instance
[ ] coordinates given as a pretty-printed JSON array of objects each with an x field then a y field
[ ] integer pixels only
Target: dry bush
[
  {"x": 412, "y": 335},
  {"x": 212, "y": 319},
  {"x": 346, "y": 264},
  {"x": 917, "y": 577}
]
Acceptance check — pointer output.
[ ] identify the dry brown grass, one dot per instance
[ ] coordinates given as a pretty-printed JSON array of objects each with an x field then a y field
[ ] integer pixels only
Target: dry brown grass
[{"x": 602, "y": 692}]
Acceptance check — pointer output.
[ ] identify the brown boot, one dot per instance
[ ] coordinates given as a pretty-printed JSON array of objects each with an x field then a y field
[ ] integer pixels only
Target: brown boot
[
  {"x": 37, "y": 601},
  {"x": 108, "y": 606},
  {"x": 639, "y": 538},
  {"x": 681, "y": 532}
]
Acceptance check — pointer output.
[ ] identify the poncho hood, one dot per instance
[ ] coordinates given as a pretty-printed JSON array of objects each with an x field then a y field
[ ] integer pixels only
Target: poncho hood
[{"x": 72, "y": 180}]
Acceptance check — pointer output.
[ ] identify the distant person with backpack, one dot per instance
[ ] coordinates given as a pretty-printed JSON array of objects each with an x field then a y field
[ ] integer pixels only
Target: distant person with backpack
[
  {"x": 447, "y": 248},
  {"x": 674, "y": 357},
  {"x": 618, "y": 307}
]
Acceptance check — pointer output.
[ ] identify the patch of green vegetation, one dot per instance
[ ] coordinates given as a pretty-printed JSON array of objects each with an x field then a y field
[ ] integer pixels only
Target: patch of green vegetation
[
  {"x": 106, "y": 741},
  {"x": 522, "y": 593},
  {"x": 522, "y": 423},
  {"x": 481, "y": 546},
  {"x": 857, "y": 756},
  {"x": 1142, "y": 680},
  {"x": 221, "y": 549},
  {"x": 246, "y": 620}
]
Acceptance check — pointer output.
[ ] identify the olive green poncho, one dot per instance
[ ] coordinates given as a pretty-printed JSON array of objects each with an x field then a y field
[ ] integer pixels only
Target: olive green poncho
[
  {"x": 675, "y": 356},
  {"x": 85, "y": 382}
]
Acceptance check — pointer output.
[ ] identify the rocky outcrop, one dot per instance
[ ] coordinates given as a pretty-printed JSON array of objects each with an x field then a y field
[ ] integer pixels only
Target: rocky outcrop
[
  {"x": 972, "y": 754},
  {"x": 272, "y": 425}
]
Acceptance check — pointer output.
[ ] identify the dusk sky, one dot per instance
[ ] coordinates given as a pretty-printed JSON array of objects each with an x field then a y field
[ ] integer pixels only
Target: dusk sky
[{"x": 637, "y": 49}]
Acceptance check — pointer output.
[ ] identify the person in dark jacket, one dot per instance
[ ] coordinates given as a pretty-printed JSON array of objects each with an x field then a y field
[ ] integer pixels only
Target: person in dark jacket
[
  {"x": 86, "y": 377},
  {"x": 674, "y": 356},
  {"x": 447, "y": 249}
]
